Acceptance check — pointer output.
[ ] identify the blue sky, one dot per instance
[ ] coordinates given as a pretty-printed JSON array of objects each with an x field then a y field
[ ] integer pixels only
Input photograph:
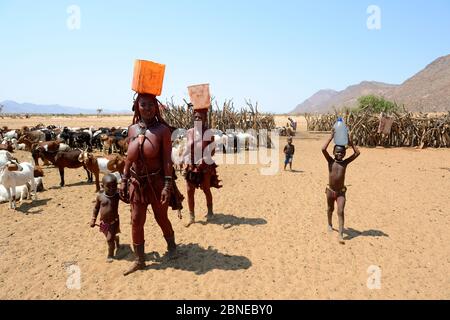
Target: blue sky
[{"x": 275, "y": 52}]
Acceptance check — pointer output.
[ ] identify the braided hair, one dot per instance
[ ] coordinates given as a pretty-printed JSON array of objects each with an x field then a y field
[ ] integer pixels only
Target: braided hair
[{"x": 137, "y": 115}]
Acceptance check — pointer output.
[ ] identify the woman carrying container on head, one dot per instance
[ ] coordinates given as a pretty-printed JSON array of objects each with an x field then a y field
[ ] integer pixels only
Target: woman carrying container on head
[
  {"x": 201, "y": 169},
  {"x": 148, "y": 173}
]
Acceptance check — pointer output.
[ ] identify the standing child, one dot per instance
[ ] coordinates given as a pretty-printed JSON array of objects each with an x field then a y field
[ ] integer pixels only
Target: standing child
[
  {"x": 336, "y": 188},
  {"x": 289, "y": 151},
  {"x": 107, "y": 204}
]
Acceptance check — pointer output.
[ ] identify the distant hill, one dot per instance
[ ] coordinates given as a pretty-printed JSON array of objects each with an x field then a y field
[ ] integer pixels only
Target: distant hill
[
  {"x": 10, "y": 106},
  {"x": 427, "y": 91},
  {"x": 318, "y": 101},
  {"x": 323, "y": 101}
]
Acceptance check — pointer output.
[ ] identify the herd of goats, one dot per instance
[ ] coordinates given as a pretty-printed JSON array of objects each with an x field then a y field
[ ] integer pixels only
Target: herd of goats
[{"x": 74, "y": 148}]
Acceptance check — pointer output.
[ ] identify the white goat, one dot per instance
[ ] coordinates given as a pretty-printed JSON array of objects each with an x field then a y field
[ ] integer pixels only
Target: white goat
[
  {"x": 178, "y": 150},
  {"x": 11, "y": 179},
  {"x": 5, "y": 156},
  {"x": 18, "y": 146},
  {"x": 10, "y": 135},
  {"x": 39, "y": 185},
  {"x": 64, "y": 147},
  {"x": 22, "y": 190}
]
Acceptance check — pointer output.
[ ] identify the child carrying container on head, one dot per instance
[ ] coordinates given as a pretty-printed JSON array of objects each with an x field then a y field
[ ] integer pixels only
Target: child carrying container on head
[{"x": 336, "y": 189}]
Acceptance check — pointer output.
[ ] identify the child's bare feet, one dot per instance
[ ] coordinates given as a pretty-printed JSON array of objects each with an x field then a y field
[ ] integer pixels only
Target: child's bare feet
[
  {"x": 341, "y": 239},
  {"x": 330, "y": 228}
]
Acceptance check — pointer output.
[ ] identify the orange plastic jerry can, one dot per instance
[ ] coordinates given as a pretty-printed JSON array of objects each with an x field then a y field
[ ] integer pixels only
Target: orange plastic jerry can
[
  {"x": 148, "y": 77},
  {"x": 200, "y": 96}
]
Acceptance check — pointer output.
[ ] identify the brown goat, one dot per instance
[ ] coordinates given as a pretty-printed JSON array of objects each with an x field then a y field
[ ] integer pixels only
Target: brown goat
[
  {"x": 122, "y": 145},
  {"x": 90, "y": 163},
  {"x": 61, "y": 160}
]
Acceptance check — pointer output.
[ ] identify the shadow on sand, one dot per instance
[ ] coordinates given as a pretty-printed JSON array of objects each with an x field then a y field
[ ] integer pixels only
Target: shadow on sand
[
  {"x": 192, "y": 257},
  {"x": 352, "y": 233},
  {"x": 229, "y": 220},
  {"x": 76, "y": 184},
  {"x": 295, "y": 171},
  {"x": 26, "y": 207}
]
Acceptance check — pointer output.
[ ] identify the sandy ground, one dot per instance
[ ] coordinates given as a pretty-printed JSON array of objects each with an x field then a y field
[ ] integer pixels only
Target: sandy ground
[{"x": 268, "y": 240}]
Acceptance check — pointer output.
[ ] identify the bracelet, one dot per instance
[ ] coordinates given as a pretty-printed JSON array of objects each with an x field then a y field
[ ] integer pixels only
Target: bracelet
[{"x": 168, "y": 183}]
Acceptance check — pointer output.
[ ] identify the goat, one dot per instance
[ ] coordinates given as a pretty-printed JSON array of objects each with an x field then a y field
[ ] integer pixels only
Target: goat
[
  {"x": 97, "y": 165},
  {"x": 22, "y": 190},
  {"x": 10, "y": 179},
  {"x": 18, "y": 146},
  {"x": 61, "y": 160},
  {"x": 178, "y": 150}
]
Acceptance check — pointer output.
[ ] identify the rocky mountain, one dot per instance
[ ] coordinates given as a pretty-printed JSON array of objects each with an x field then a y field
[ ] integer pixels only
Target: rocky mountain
[{"x": 427, "y": 91}]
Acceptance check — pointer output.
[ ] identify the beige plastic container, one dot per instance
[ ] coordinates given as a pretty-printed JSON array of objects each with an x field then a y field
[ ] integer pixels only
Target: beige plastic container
[
  {"x": 200, "y": 96},
  {"x": 148, "y": 77}
]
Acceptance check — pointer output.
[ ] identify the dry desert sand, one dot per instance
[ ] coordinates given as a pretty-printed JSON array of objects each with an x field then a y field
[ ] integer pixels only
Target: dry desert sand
[{"x": 267, "y": 241}]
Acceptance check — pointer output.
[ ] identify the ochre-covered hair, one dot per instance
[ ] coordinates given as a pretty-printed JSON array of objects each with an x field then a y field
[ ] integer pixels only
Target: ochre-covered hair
[{"x": 137, "y": 115}]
